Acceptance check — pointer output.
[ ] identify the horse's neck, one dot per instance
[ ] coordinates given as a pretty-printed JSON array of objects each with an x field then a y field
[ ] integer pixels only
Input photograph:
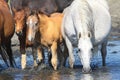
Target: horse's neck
[
  {"x": 43, "y": 19},
  {"x": 43, "y": 22}
]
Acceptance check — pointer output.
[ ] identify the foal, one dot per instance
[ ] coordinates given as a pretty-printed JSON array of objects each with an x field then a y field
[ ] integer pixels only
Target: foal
[{"x": 46, "y": 31}]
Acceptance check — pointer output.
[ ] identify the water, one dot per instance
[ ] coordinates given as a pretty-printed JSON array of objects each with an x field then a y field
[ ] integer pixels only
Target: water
[{"x": 110, "y": 72}]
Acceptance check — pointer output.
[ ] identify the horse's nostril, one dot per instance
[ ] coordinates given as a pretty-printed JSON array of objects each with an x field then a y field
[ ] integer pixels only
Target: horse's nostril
[
  {"x": 19, "y": 33},
  {"x": 86, "y": 70}
]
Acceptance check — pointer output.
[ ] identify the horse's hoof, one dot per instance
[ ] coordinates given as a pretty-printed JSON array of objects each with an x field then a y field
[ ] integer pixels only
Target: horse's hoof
[
  {"x": 41, "y": 66},
  {"x": 55, "y": 67},
  {"x": 61, "y": 67},
  {"x": 33, "y": 68},
  {"x": 27, "y": 68}
]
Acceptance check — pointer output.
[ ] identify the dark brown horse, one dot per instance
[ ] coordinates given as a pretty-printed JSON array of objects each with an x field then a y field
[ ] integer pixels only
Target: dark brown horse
[
  {"x": 6, "y": 31},
  {"x": 19, "y": 9}
]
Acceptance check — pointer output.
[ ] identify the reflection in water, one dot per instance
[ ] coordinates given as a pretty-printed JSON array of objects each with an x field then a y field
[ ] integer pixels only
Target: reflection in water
[
  {"x": 6, "y": 77},
  {"x": 54, "y": 76},
  {"x": 110, "y": 72},
  {"x": 86, "y": 77}
]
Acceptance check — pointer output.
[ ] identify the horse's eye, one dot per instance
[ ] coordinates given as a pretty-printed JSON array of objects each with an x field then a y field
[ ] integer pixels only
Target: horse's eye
[
  {"x": 79, "y": 50},
  {"x": 92, "y": 49}
]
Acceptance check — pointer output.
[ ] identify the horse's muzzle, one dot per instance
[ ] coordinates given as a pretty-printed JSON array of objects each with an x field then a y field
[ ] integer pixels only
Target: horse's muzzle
[
  {"x": 20, "y": 33},
  {"x": 86, "y": 70}
]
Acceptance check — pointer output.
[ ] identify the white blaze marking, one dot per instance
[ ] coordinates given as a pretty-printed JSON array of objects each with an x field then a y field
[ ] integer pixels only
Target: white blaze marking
[{"x": 30, "y": 34}]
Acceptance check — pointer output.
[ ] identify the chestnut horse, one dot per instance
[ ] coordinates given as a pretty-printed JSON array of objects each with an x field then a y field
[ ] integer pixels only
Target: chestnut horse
[
  {"x": 6, "y": 32},
  {"x": 46, "y": 31},
  {"x": 19, "y": 9}
]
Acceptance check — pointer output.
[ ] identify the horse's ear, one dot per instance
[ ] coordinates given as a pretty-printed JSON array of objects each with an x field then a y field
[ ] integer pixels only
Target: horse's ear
[
  {"x": 89, "y": 34},
  {"x": 79, "y": 35},
  {"x": 39, "y": 14},
  {"x": 14, "y": 10}
]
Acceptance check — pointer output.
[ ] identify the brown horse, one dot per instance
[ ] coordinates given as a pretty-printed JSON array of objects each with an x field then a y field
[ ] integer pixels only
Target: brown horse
[
  {"x": 46, "y": 31},
  {"x": 19, "y": 8},
  {"x": 6, "y": 31}
]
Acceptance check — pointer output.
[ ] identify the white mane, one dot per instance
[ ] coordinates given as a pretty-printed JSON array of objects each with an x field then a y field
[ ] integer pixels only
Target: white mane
[{"x": 82, "y": 12}]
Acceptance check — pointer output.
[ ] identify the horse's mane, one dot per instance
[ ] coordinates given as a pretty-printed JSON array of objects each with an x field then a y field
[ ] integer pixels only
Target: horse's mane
[{"x": 85, "y": 13}]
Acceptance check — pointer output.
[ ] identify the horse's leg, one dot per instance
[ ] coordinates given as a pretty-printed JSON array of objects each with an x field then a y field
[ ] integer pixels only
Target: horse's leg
[
  {"x": 34, "y": 53},
  {"x": 104, "y": 52},
  {"x": 40, "y": 55},
  {"x": 65, "y": 53},
  {"x": 49, "y": 57},
  {"x": 9, "y": 52},
  {"x": 4, "y": 55},
  {"x": 70, "y": 50},
  {"x": 54, "y": 55},
  {"x": 62, "y": 55},
  {"x": 22, "y": 51}
]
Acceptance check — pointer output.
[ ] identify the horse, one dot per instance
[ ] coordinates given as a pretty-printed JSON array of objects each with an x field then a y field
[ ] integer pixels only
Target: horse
[
  {"x": 20, "y": 10},
  {"x": 62, "y": 4},
  {"x": 86, "y": 25},
  {"x": 45, "y": 31},
  {"x": 6, "y": 32}
]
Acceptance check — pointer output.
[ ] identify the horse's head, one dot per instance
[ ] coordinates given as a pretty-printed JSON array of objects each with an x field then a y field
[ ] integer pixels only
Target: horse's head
[
  {"x": 32, "y": 26},
  {"x": 19, "y": 17},
  {"x": 85, "y": 48}
]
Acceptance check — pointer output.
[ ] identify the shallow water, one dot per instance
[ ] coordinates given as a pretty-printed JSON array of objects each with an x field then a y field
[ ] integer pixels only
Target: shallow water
[{"x": 110, "y": 72}]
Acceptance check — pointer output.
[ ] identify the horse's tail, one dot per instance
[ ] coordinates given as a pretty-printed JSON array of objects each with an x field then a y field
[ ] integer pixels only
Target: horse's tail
[{"x": 4, "y": 55}]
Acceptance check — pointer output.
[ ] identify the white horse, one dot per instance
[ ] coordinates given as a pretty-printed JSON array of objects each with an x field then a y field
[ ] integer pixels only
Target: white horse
[{"x": 86, "y": 25}]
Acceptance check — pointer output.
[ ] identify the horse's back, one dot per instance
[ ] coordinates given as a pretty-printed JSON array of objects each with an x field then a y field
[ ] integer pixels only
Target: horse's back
[
  {"x": 57, "y": 18},
  {"x": 100, "y": 2},
  {"x": 52, "y": 28},
  {"x": 7, "y": 20},
  {"x": 102, "y": 19}
]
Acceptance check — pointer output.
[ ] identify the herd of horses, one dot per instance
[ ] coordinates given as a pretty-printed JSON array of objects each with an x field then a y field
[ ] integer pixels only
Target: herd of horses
[{"x": 55, "y": 25}]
